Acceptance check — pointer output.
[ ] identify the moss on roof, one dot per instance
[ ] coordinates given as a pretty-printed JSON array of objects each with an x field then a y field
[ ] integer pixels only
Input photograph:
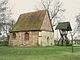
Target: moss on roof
[{"x": 30, "y": 21}]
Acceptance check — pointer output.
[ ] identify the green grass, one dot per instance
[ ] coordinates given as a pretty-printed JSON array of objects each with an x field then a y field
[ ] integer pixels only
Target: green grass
[{"x": 39, "y": 53}]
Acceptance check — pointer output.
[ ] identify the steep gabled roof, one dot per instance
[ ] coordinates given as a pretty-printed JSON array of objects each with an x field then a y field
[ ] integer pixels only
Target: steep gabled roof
[
  {"x": 30, "y": 21},
  {"x": 65, "y": 26}
]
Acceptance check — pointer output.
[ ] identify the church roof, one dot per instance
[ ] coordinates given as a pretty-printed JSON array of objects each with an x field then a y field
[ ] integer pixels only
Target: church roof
[{"x": 30, "y": 21}]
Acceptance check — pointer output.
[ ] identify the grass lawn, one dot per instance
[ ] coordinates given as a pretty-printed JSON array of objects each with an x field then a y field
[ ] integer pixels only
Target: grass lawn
[{"x": 39, "y": 53}]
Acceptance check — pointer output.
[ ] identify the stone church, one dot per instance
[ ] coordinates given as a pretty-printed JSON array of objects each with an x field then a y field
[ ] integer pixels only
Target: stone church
[{"x": 32, "y": 29}]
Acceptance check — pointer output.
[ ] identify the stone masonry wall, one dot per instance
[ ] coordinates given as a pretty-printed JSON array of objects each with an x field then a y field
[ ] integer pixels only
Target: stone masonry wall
[
  {"x": 20, "y": 38},
  {"x": 46, "y": 38},
  {"x": 43, "y": 38}
]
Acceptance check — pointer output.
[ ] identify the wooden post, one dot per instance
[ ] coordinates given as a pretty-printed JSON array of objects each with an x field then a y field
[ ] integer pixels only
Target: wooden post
[
  {"x": 72, "y": 45},
  {"x": 72, "y": 42}
]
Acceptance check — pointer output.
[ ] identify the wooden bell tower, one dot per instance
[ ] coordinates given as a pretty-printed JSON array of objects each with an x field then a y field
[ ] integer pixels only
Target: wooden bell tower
[{"x": 63, "y": 28}]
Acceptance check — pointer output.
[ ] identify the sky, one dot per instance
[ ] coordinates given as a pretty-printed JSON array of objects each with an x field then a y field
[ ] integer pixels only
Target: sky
[
  {"x": 23, "y": 6},
  {"x": 72, "y": 8}
]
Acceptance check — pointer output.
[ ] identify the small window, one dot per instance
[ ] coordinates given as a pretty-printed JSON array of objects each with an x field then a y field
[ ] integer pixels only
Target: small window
[
  {"x": 47, "y": 38},
  {"x": 26, "y": 36},
  {"x": 14, "y": 35}
]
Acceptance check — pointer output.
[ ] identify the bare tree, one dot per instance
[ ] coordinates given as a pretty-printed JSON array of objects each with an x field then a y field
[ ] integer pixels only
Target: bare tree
[
  {"x": 5, "y": 17},
  {"x": 5, "y": 14},
  {"x": 77, "y": 27},
  {"x": 78, "y": 23},
  {"x": 11, "y": 24},
  {"x": 53, "y": 9}
]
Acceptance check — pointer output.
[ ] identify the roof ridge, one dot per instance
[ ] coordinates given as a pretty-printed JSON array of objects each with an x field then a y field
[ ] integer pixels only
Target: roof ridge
[{"x": 33, "y": 12}]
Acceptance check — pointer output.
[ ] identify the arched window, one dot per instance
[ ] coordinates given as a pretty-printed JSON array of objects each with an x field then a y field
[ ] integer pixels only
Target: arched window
[
  {"x": 26, "y": 36},
  {"x": 13, "y": 35}
]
